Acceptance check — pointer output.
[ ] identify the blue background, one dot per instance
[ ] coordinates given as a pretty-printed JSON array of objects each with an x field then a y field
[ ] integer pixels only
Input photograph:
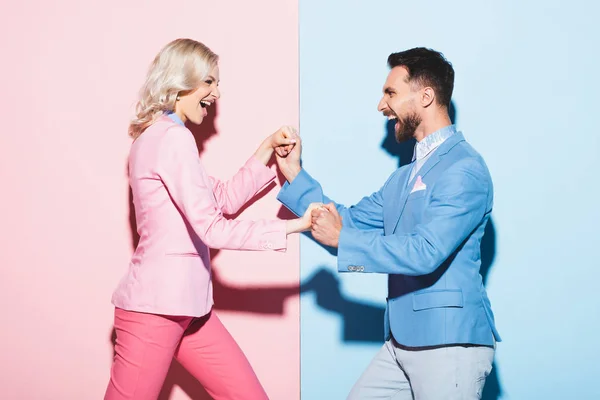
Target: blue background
[{"x": 526, "y": 97}]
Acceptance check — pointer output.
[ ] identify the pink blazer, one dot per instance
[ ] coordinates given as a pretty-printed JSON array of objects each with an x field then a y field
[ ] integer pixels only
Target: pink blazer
[{"x": 179, "y": 213}]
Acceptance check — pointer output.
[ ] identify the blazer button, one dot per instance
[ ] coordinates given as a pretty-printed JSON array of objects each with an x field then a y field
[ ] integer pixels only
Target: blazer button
[{"x": 269, "y": 245}]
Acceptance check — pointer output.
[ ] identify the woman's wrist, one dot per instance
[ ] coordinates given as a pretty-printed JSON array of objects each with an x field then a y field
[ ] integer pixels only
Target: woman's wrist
[
  {"x": 264, "y": 152},
  {"x": 296, "y": 225}
]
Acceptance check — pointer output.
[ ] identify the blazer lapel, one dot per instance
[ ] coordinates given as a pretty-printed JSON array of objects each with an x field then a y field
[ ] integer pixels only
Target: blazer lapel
[
  {"x": 435, "y": 158},
  {"x": 398, "y": 197}
]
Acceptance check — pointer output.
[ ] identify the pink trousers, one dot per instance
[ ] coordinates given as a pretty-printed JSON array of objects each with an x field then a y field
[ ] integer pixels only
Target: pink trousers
[{"x": 147, "y": 343}]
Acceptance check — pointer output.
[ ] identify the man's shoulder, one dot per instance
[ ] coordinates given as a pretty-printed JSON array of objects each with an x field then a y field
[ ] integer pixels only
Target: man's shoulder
[
  {"x": 465, "y": 155},
  {"x": 465, "y": 165}
]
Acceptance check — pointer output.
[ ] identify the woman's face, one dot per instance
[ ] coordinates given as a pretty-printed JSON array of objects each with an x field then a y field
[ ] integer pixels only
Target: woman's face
[{"x": 192, "y": 105}]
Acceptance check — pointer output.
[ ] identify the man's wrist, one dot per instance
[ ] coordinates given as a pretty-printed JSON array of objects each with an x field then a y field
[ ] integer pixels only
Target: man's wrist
[
  {"x": 290, "y": 172},
  {"x": 337, "y": 238}
]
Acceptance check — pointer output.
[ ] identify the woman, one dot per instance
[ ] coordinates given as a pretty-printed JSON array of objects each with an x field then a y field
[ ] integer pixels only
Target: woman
[{"x": 163, "y": 304}]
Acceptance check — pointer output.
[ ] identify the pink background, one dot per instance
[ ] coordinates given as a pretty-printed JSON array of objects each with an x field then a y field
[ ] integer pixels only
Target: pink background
[{"x": 70, "y": 74}]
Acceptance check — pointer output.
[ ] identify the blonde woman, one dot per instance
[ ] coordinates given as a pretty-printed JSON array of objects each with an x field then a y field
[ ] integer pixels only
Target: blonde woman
[{"x": 163, "y": 304}]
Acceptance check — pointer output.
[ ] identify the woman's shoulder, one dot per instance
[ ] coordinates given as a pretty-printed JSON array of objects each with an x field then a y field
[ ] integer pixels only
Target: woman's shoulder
[
  {"x": 164, "y": 130},
  {"x": 165, "y": 124},
  {"x": 164, "y": 134},
  {"x": 171, "y": 137}
]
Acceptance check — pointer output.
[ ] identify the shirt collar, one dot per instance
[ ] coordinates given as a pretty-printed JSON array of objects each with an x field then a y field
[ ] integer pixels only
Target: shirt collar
[
  {"x": 175, "y": 118},
  {"x": 432, "y": 142}
]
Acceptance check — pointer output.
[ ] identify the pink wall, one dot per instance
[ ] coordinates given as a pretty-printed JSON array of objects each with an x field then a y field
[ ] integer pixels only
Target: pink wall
[{"x": 70, "y": 73}]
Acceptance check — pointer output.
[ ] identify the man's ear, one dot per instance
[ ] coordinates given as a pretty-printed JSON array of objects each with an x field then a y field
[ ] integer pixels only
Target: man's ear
[{"x": 427, "y": 96}]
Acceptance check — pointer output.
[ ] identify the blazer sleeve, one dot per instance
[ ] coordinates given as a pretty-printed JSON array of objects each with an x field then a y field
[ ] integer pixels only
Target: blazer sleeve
[
  {"x": 236, "y": 192},
  {"x": 366, "y": 215},
  {"x": 459, "y": 203},
  {"x": 192, "y": 191}
]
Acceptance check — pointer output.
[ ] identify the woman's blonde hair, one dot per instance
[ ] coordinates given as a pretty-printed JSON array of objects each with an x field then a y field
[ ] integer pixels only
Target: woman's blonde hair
[{"x": 180, "y": 66}]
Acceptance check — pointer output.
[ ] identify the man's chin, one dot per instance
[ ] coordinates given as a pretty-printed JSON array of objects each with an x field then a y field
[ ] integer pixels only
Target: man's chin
[{"x": 402, "y": 136}]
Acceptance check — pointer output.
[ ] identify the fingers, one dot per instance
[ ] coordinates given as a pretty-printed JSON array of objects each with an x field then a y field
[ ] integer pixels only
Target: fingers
[
  {"x": 318, "y": 213},
  {"x": 314, "y": 218},
  {"x": 313, "y": 208},
  {"x": 316, "y": 207},
  {"x": 283, "y": 151},
  {"x": 288, "y": 131},
  {"x": 284, "y": 140},
  {"x": 281, "y": 141},
  {"x": 331, "y": 207},
  {"x": 287, "y": 135},
  {"x": 283, "y": 145}
]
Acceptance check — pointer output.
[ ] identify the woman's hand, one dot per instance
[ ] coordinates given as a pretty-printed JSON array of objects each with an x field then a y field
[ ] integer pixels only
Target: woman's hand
[
  {"x": 303, "y": 223},
  {"x": 282, "y": 142}
]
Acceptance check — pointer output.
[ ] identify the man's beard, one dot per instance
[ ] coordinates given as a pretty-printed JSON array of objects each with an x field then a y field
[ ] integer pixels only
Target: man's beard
[{"x": 406, "y": 127}]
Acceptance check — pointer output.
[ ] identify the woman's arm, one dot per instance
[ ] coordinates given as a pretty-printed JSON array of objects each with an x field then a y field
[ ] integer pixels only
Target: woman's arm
[
  {"x": 191, "y": 190},
  {"x": 254, "y": 175}
]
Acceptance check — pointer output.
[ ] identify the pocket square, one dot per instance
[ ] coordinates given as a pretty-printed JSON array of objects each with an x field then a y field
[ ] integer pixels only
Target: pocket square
[{"x": 419, "y": 185}]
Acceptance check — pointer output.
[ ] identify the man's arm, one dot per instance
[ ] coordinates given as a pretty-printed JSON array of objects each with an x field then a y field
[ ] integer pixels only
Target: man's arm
[
  {"x": 301, "y": 190},
  {"x": 458, "y": 205},
  {"x": 367, "y": 214}
]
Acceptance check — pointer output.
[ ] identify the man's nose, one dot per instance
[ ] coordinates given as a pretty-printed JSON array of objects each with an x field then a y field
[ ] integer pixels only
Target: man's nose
[{"x": 382, "y": 105}]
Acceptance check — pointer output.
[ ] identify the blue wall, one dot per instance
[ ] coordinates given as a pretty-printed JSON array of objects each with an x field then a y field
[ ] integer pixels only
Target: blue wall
[{"x": 526, "y": 96}]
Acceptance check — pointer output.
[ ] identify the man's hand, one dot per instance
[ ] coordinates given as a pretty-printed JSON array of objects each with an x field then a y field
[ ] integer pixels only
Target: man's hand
[
  {"x": 289, "y": 164},
  {"x": 326, "y": 225},
  {"x": 307, "y": 217}
]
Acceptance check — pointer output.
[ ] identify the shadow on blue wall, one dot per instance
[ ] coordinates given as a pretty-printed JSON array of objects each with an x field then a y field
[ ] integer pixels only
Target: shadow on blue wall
[{"x": 363, "y": 322}]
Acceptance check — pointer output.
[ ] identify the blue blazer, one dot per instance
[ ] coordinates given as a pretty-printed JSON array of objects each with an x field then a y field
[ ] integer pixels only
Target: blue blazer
[{"x": 426, "y": 235}]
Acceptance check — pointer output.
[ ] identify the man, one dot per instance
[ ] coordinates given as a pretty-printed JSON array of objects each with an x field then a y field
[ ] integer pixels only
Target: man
[{"x": 423, "y": 228}]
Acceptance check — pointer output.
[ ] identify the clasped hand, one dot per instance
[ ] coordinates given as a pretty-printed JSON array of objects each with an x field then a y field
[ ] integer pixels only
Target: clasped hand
[
  {"x": 323, "y": 220},
  {"x": 324, "y": 223}
]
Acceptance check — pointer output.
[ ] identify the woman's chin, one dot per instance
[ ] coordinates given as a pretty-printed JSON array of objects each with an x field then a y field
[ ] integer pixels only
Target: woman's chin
[{"x": 197, "y": 120}]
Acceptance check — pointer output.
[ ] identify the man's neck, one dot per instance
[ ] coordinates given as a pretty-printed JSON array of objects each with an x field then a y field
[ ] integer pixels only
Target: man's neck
[{"x": 426, "y": 128}]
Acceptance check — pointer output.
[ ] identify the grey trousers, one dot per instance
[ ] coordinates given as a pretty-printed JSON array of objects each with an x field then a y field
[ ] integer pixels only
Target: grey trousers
[{"x": 448, "y": 373}]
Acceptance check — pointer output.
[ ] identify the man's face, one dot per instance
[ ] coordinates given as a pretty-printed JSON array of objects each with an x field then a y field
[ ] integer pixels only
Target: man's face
[{"x": 399, "y": 102}]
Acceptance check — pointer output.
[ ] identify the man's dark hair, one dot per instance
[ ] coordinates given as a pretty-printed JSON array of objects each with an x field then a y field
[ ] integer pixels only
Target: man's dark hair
[{"x": 427, "y": 67}]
